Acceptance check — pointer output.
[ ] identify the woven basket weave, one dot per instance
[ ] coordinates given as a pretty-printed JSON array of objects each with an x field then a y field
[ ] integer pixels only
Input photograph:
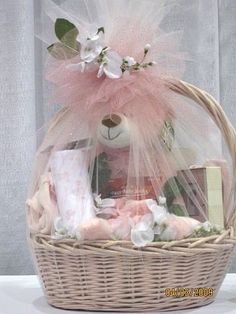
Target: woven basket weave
[{"x": 116, "y": 276}]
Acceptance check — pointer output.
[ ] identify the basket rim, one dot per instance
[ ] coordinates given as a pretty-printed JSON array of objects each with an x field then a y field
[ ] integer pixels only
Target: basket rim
[{"x": 185, "y": 247}]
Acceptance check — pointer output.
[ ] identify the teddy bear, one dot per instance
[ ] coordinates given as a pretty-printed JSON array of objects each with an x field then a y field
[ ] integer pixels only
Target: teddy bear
[{"x": 115, "y": 170}]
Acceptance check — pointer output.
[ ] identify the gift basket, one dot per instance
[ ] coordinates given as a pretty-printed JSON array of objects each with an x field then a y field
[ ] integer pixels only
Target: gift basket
[{"x": 132, "y": 201}]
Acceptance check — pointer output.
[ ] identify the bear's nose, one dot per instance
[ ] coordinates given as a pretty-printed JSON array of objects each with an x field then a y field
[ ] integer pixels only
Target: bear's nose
[{"x": 111, "y": 120}]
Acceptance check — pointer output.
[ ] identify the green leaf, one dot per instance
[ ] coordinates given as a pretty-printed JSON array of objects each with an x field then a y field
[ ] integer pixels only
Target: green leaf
[
  {"x": 202, "y": 232},
  {"x": 172, "y": 188},
  {"x": 66, "y": 32},
  {"x": 177, "y": 210},
  {"x": 62, "y": 52}
]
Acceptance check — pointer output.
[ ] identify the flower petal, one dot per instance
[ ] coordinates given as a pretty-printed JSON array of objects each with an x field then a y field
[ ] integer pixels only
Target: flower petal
[
  {"x": 159, "y": 212},
  {"x": 130, "y": 60},
  {"x": 85, "y": 33},
  {"x": 112, "y": 68},
  {"x": 90, "y": 50},
  {"x": 142, "y": 233},
  {"x": 162, "y": 200},
  {"x": 100, "y": 71},
  {"x": 142, "y": 238},
  {"x": 98, "y": 37},
  {"x": 58, "y": 224}
]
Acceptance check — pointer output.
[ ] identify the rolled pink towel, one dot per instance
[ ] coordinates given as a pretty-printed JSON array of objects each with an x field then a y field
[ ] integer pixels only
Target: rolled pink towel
[
  {"x": 94, "y": 229},
  {"x": 102, "y": 229},
  {"x": 42, "y": 207},
  {"x": 132, "y": 208},
  {"x": 177, "y": 227}
]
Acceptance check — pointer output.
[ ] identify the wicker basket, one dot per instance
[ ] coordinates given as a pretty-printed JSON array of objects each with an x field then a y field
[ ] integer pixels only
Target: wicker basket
[{"x": 116, "y": 276}]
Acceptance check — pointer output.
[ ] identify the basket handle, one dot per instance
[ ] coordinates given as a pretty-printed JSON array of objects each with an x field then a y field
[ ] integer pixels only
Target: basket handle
[{"x": 216, "y": 112}]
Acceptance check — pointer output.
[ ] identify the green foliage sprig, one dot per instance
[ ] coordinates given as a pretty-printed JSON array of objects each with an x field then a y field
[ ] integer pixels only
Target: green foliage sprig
[
  {"x": 67, "y": 47},
  {"x": 172, "y": 188}
]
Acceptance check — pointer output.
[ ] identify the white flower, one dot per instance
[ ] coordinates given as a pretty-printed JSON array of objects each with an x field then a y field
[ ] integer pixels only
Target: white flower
[
  {"x": 147, "y": 47},
  {"x": 159, "y": 212},
  {"x": 142, "y": 233},
  {"x": 91, "y": 47},
  {"x": 111, "y": 65},
  {"x": 162, "y": 200},
  {"x": 59, "y": 225},
  {"x": 130, "y": 61},
  {"x": 95, "y": 54},
  {"x": 62, "y": 230}
]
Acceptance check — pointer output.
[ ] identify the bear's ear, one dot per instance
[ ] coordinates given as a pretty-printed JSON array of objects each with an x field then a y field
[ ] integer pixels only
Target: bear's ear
[{"x": 167, "y": 135}]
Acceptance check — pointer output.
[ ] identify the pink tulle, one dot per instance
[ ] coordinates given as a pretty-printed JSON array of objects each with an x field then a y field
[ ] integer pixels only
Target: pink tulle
[{"x": 86, "y": 91}]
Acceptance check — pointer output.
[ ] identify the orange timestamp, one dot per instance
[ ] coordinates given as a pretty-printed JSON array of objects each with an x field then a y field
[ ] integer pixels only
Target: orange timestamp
[{"x": 181, "y": 292}]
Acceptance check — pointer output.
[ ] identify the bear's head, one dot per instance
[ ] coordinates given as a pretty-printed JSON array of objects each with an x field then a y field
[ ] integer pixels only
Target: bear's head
[{"x": 114, "y": 131}]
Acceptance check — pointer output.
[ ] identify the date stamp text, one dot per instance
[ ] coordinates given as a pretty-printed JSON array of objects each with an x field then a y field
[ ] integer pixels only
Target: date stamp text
[{"x": 189, "y": 292}]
